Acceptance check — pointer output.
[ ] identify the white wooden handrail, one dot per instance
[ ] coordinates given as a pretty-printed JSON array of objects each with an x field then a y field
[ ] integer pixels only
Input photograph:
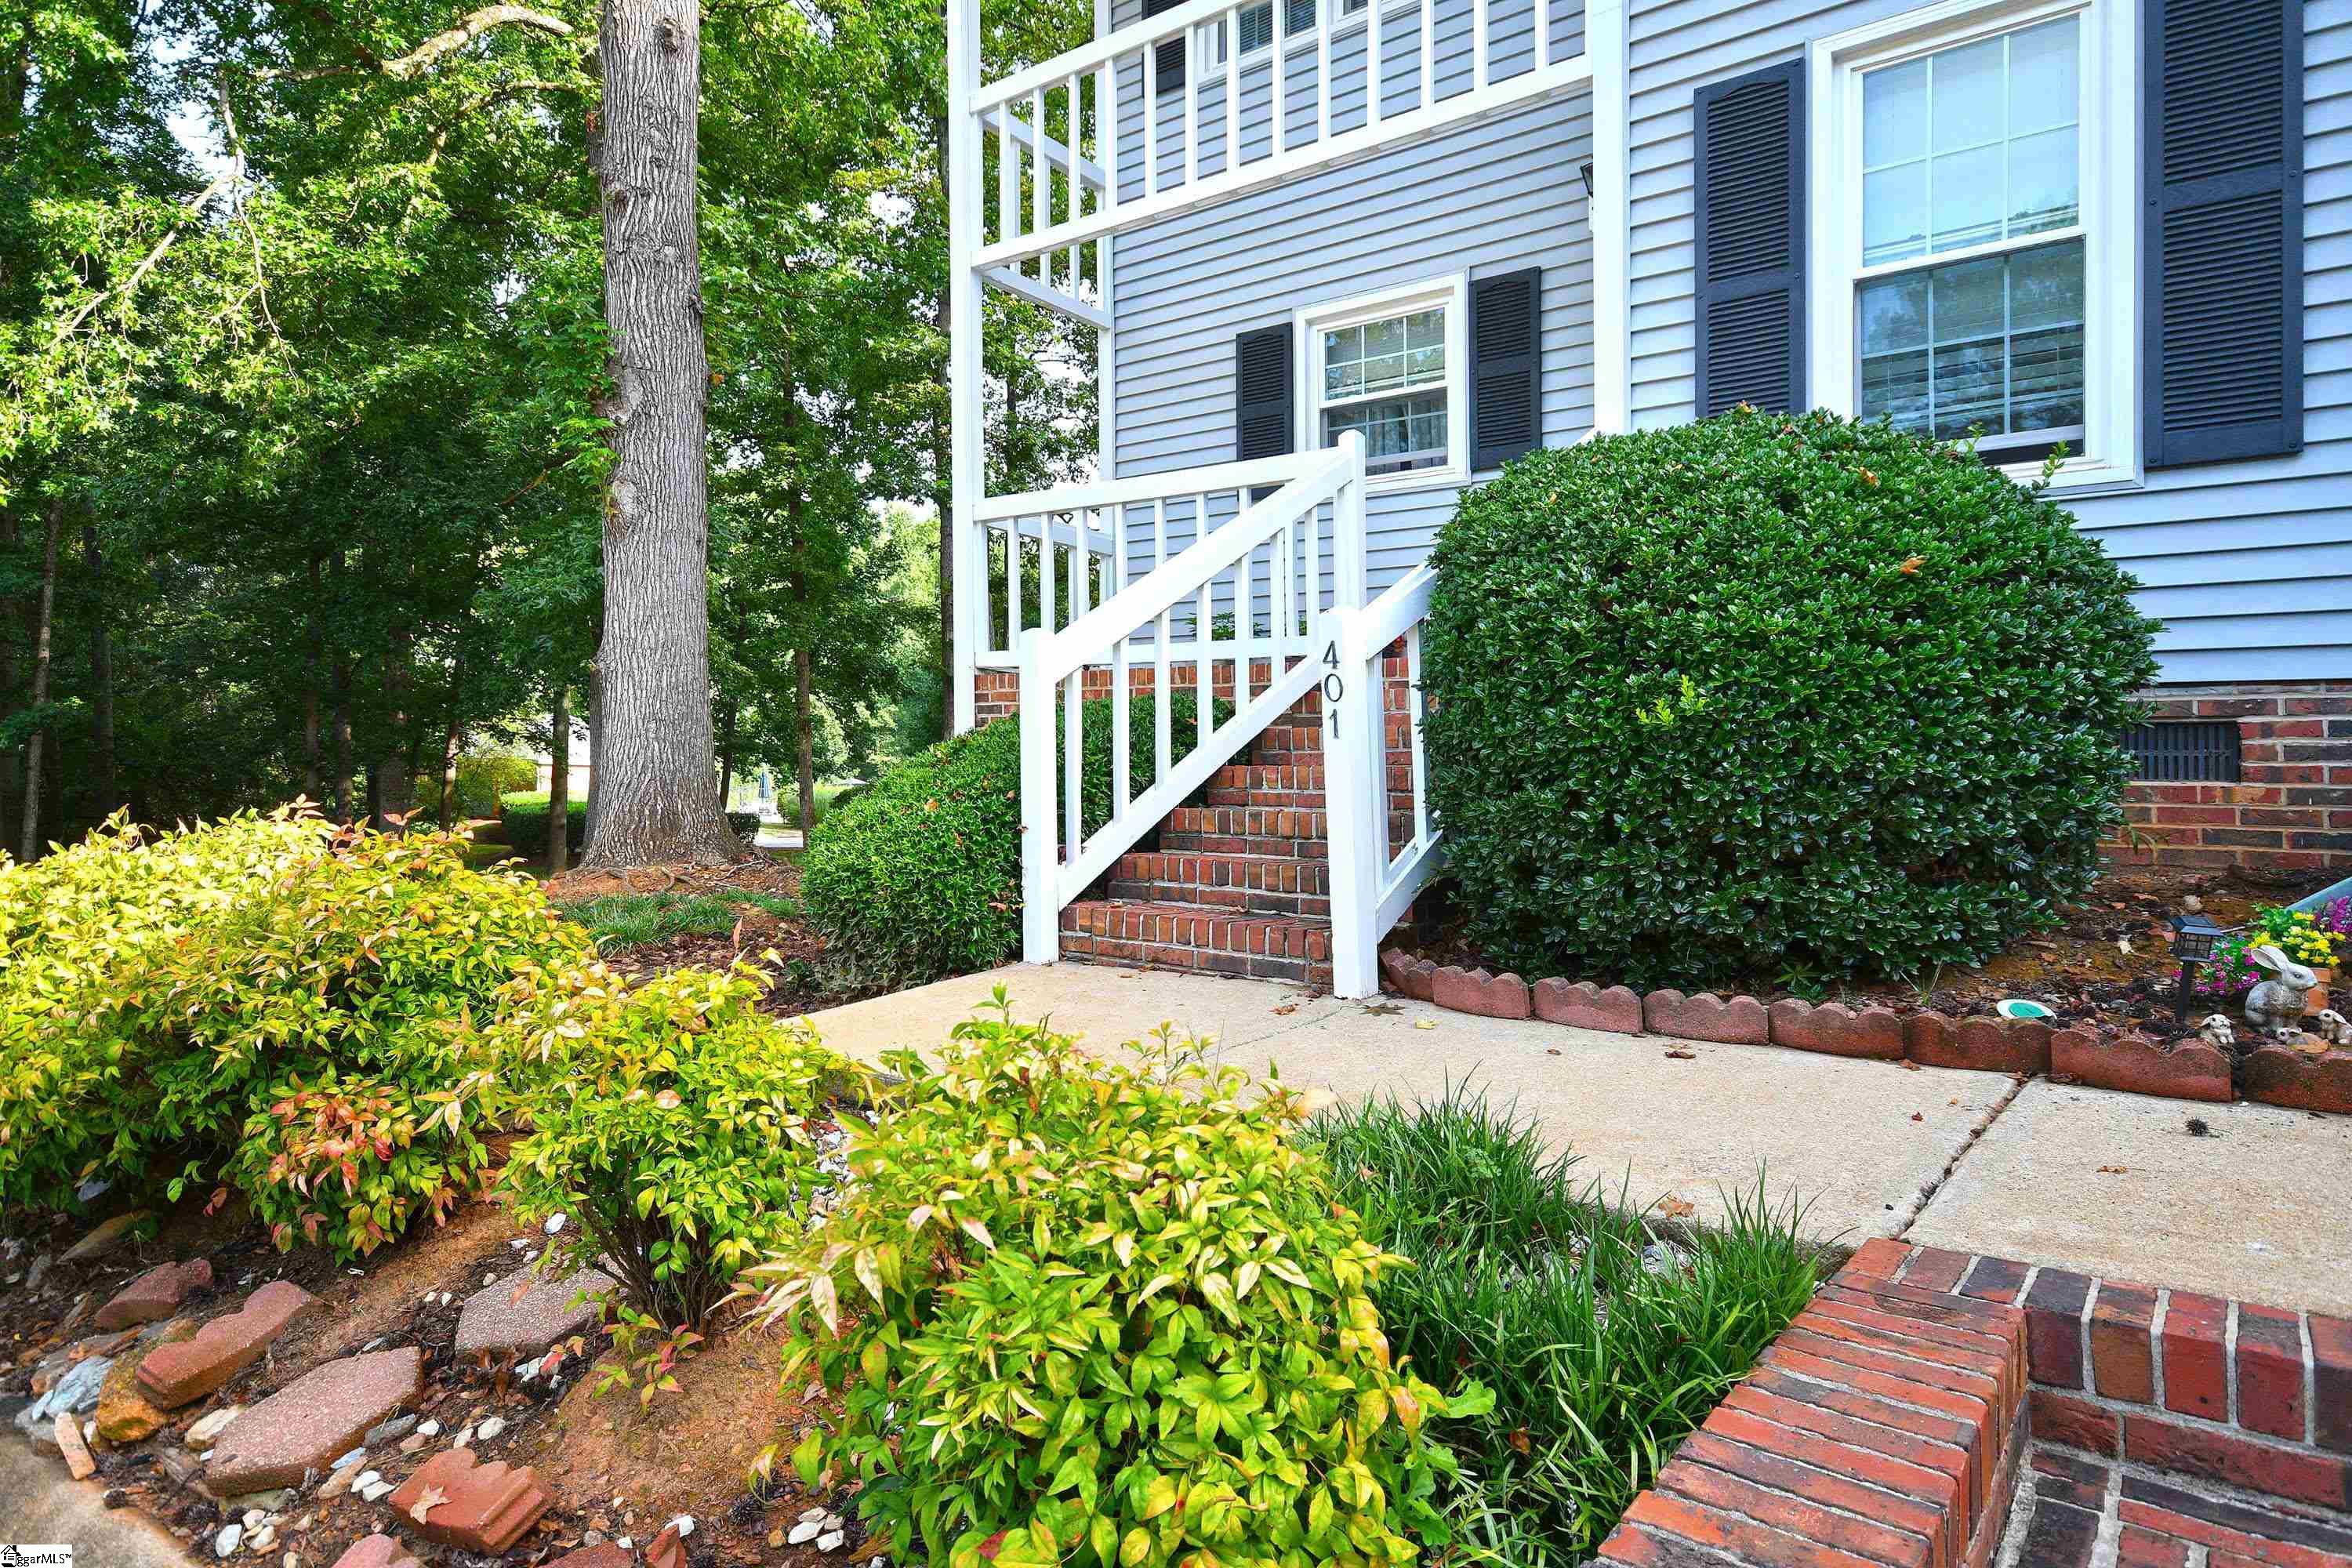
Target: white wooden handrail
[
  {"x": 1088, "y": 640},
  {"x": 1058, "y": 857},
  {"x": 1370, "y": 888}
]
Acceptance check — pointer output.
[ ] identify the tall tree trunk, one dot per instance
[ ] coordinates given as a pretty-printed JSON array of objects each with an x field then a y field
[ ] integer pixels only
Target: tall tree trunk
[
  {"x": 30, "y": 839},
  {"x": 342, "y": 739},
  {"x": 452, "y": 734},
  {"x": 101, "y": 675},
  {"x": 595, "y": 751},
  {"x": 395, "y": 781},
  {"x": 559, "y": 780},
  {"x": 807, "y": 762},
  {"x": 658, "y": 797},
  {"x": 313, "y": 679},
  {"x": 12, "y": 761}
]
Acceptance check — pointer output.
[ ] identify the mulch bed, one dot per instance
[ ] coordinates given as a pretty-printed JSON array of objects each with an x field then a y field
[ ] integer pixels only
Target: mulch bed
[{"x": 2108, "y": 965}]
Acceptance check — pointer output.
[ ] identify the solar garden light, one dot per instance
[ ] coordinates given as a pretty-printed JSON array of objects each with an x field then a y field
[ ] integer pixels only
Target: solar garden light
[{"x": 2193, "y": 940}]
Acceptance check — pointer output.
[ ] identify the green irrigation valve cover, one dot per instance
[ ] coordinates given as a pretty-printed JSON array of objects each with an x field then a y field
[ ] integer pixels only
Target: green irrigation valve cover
[{"x": 2018, "y": 1007}]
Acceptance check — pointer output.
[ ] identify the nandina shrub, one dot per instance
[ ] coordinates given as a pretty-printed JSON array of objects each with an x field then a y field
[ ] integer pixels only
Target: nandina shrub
[
  {"x": 267, "y": 1003},
  {"x": 1768, "y": 694},
  {"x": 1085, "y": 1312},
  {"x": 919, "y": 875},
  {"x": 674, "y": 1126}
]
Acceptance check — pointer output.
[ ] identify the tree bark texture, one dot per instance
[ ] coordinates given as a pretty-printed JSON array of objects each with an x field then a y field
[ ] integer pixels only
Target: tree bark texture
[
  {"x": 313, "y": 679},
  {"x": 452, "y": 736},
  {"x": 395, "y": 776},
  {"x": 30, "y": 840},
  {"x": 101, "y": 676},
  {"x": 595, "y": 749},
  {"x": 807, "y": 766},
  {"x": 558, "y": 781},
  {"x": 656, "y": 788}
]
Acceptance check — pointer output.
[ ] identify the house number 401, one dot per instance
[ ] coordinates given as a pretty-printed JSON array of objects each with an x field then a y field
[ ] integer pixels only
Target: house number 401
[{"x": 1334, "y": 686}]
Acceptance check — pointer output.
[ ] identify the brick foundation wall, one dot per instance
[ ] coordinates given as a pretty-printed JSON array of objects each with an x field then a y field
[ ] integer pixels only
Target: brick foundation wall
[{"x": 2291, "y": 810}]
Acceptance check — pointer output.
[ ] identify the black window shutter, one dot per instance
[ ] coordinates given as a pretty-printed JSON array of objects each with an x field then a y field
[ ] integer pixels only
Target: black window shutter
[
  {"x": 1750, "y": 236},
  {"x": 1506, "y": 366},
  {"x": 1168, "y": 59},
  {"x": 1262, "y": 407},
  {"x": 2223, "y": 294}
]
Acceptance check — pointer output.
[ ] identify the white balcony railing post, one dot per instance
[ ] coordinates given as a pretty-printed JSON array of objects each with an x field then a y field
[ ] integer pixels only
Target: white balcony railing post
[
  {"x": 1041, "y": 856},
  {"x": 1351, "y": 747}
]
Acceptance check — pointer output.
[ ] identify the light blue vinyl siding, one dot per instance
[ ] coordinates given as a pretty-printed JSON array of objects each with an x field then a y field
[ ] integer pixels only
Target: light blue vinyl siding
[
  {"x": 1494, "y": 198},
  {"x": 2250, "y": 563}
]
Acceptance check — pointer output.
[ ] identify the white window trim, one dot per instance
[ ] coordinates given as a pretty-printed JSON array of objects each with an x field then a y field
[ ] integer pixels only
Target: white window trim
[
  {"x": 1309, "y": 324},
  {"x": 2109, "y": 149}
]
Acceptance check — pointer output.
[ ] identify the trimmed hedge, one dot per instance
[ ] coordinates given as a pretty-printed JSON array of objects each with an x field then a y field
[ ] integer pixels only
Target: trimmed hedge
[
  {"x": 919, "y": 875},
  {"x": 1766, "y": 695},
  {"x": 526, "y": 819}
]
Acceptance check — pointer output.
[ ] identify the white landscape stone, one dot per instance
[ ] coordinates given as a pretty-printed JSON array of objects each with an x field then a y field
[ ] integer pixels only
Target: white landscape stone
[
  {"x": 683, "y": 1524},
  {"x": 226, "y": 1542},
  {"x": 213, "y": 1426},
  {"x": 805, "y": 1530},
  {"x": 554, "y": 1224},
  {"x": 830, "y": 1540},
  {"x": 491, "y": 1428},
  {"x": 430, "y": 1429}
]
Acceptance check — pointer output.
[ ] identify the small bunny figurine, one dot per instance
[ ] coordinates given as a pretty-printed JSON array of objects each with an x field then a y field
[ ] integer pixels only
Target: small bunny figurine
[{"x": 2274, "y": 1008}]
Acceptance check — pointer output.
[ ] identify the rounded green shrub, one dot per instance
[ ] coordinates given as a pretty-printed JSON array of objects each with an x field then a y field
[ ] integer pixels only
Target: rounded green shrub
[
  {"x": 525, "y": 815},
  {"x": 919, "y": 876},
  {"x": 1769, "y": 695}
]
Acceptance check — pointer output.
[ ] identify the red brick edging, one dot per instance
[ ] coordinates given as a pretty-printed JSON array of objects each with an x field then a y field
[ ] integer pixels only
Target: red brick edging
[
  {"x": 2188, "y": 1070},
  {"x": 1887, "y": 1422}
]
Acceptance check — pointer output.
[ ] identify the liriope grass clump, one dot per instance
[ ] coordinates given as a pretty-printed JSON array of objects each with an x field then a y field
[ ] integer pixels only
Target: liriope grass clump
[{"x": 1605, "y": 1343}]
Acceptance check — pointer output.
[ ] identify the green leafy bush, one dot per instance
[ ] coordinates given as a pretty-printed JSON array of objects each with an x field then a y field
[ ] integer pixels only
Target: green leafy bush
[
  {"x": 525, "y": 816},
  {"x": 1762, "y": 693},
  {"x": 1082, "y": 1313},
  {"x": 483, "y": 777},
  {"x": 746, "y": 825},
  {"x": 919, "y": 875},
  {"x": 674, "y": 1127},
  {"x": 269, "y": 1003},
  {"x": 1605, "y": 1345}
]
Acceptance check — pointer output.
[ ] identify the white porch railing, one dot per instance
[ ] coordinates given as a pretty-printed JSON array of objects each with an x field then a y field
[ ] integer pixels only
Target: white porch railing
[
  {"x": 1173, "y": 611},
  {"x": 1265, "y": 555},
  {"x": 1373, "y": 881},
  {"x": 1215, "y": 97}
]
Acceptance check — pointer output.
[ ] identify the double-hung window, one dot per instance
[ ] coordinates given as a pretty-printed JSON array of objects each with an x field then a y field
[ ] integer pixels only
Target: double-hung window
[
  {"x": 1974, "y": 218},
  {"x": 1390, "y": 365}
]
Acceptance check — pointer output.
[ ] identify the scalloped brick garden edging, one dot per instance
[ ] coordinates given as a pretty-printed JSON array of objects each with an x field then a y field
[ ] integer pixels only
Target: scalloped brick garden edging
[
  {"x": 1889, "y": 1423},
  {"x": 2190, "y": 1069}
]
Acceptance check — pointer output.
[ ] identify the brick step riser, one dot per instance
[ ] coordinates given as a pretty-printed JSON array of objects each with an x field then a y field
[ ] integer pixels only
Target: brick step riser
[
  {"x": 1246, "y": 873},
  {"x": 1224, "y": 901},
  {"x": 1259, "y": 845},
  {"x": 1180, "y": 959}
]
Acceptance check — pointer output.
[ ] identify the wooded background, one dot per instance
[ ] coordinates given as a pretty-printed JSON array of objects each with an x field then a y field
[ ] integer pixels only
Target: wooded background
[{"x": 305, "y": 378}]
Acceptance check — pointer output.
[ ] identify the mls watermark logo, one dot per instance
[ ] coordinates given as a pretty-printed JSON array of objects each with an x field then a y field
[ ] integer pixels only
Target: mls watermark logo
[{"x": 24, "y": 1556}]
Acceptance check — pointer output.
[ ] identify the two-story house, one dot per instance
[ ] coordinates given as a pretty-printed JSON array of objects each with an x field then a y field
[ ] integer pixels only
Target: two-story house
[{"x": 1346, "y": 256}]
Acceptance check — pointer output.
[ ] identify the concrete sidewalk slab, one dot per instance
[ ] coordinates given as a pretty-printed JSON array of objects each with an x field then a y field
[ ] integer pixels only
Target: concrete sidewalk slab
[
  {"x": 1836, "y": 1135},
  {"x": 1104, "y": 1006},
  {"x": 2255, "y": 1210}
]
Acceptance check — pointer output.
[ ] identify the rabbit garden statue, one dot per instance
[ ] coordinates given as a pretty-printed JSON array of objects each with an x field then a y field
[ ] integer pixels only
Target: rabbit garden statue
[{"x": 2274, "y": 1008}]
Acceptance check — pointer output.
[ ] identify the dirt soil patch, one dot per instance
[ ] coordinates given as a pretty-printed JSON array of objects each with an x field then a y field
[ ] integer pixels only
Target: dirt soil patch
[
  {"x": 756, "y": 873},
  {"x": 616, "y": 1468},
  {"x": 2109, "y": 963}
]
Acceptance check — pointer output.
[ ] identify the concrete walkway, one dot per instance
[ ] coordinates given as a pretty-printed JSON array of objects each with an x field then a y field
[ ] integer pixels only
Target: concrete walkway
[
  {"x": 39, "y": 1505},
  {"x": 1969, "y": 1161}
]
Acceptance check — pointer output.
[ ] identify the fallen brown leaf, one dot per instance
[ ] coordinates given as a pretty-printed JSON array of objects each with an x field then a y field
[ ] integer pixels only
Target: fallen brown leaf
[
  {"x": 1674, "y": 1207},
  {"x": 1681, "y": 1056}
]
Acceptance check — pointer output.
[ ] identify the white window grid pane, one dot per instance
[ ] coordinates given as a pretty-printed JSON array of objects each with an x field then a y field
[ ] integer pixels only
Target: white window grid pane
[
  {"x": 1975, "y": 170},
  {"x": 1381, "y": 358},
  {"x": 1401, "y": 434},
  {"x": 2008, "y": 377}
]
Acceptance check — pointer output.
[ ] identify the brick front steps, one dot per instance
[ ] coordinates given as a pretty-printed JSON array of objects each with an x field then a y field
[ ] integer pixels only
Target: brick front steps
[
  {"x": 1241, "y": 884},
  {"x": 1936, "y": 1408},
  {"x": 2190, "y": 1070}
]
